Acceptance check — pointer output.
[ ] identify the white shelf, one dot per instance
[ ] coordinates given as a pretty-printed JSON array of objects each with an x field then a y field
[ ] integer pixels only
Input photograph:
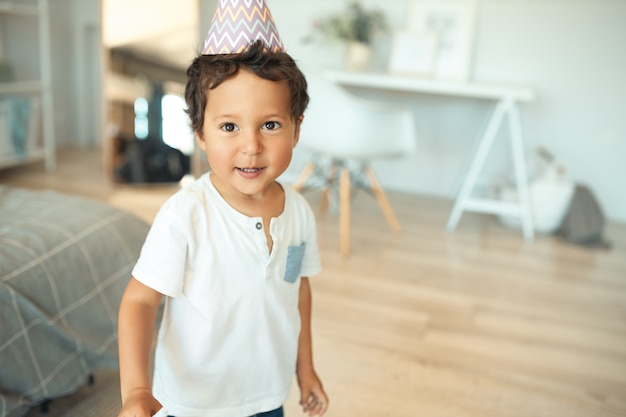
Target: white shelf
[
  {"x": 431, "y": 86},
  {"x": 9, "y": 7},
  {"x": 38, "y": 91},
  {"x": 21, "y": 87},
  {"x": 34, "y": 155}
]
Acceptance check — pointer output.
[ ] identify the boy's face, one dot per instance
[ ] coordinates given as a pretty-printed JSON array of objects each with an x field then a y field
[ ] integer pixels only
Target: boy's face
[{"x": 248, "y": 135}]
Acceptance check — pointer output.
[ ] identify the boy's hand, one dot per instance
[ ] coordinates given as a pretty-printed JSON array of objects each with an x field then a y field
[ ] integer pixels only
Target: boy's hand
[
  {"x": 313, "y": 399},
  {"x": 140, "y": 404}
]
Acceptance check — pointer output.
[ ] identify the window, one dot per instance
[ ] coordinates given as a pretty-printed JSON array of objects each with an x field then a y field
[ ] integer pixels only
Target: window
[
  {"x": 141, "y": 118},
  {"x": 176, "y": 130}
]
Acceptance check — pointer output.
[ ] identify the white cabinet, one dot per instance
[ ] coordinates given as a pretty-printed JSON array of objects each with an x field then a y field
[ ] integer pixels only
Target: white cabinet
[{"x": 26, "y": 119}]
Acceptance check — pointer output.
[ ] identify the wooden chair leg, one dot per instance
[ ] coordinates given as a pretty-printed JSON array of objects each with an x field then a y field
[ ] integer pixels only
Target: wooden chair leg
[
  {"x": 304, "y": 175},
  {"x": 381, "y": 197},
  {"x": 344, "y": 211},
  {"x": 325, "y": 200},
  {"x": 324, "y": 203}
]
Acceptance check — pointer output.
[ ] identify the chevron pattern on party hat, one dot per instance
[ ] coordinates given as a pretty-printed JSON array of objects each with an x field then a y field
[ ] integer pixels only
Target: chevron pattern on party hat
[{"x": 238, "y": 23}]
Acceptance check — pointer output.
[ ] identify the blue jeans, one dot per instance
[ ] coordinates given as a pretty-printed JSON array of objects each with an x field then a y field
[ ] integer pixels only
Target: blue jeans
[{"x": 274, "y": 413}]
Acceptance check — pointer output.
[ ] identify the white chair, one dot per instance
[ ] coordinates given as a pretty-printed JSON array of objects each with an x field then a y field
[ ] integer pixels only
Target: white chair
[{"x": 344, "y": 133}]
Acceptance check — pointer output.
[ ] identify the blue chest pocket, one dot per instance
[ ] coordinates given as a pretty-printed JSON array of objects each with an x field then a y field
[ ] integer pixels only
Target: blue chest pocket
[{"x": 295, "y": 254}]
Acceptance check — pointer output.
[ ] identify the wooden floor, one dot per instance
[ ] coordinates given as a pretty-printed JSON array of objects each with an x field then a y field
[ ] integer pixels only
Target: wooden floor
[{"x": 429, "y": 323}]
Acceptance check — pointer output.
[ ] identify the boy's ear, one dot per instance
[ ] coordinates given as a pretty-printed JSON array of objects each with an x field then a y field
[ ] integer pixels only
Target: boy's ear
[{"x": 296, "y": 135}]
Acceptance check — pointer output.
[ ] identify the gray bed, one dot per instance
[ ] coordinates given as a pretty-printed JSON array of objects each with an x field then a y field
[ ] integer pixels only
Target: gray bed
[{"x": 64, "y": 264}]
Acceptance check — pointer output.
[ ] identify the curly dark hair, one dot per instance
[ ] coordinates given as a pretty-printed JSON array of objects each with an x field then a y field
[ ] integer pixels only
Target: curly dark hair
[{"x": 206, "y": 72}]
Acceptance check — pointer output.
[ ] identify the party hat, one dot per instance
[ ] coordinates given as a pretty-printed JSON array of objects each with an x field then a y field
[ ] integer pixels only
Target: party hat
[{"x": 238, "y": 23}]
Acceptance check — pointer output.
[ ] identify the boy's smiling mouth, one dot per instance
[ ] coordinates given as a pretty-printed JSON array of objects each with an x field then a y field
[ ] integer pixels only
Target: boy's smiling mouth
[
  {"x": 250, "y": 170},
  {"x": 250, "y": 173}
]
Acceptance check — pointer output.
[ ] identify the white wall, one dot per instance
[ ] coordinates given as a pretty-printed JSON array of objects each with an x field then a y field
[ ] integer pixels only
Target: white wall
[{"x": 570, "y": 51}]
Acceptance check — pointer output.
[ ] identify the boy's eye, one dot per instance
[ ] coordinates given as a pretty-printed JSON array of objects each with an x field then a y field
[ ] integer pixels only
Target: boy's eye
[
  {"x": 228, "y": 127},
  {"x": 271, "y": 125}
]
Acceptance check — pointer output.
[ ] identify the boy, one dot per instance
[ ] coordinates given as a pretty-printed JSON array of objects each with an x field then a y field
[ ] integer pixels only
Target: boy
[{"x": 231, "y": 254}]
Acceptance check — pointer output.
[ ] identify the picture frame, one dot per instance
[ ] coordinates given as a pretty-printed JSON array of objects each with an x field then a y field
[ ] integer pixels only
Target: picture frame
[
  {"x": 413, "y": 53},
  {"x": 452, "y": 23}
]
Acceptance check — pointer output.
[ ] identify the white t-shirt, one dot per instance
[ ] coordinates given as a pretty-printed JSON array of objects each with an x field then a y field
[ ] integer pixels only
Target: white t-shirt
[{"x": 228, "y": 340}]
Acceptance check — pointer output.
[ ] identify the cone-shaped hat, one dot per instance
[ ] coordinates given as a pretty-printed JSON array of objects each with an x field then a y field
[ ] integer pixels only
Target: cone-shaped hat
[{"x": 238, "y": 23}]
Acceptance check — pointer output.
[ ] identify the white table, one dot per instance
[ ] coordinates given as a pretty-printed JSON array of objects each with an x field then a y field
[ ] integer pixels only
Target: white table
[{"x": 506, "y": 101}]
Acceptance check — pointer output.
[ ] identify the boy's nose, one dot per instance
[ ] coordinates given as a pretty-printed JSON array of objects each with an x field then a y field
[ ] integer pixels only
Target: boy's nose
[{"x": 252, "y": 144}]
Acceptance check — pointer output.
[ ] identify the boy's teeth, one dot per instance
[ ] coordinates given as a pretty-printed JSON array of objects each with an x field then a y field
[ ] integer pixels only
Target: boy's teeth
[{"x": 249, "y": 169}]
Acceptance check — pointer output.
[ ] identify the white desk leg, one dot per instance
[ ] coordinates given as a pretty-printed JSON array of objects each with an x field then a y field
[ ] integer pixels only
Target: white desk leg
[
  {"x": 479, "y": 160},
  {"x": 464, "y": 201},
  {"x": 521, "y": 177}
]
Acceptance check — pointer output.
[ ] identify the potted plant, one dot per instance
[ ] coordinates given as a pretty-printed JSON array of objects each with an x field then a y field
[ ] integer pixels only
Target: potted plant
[{"x": 355, "y": 26}]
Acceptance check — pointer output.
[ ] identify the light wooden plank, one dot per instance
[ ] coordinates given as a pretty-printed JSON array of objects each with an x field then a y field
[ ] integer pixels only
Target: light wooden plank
[
  {"x": 535, "y": 327},
  {"x": 473, "y": 323}
]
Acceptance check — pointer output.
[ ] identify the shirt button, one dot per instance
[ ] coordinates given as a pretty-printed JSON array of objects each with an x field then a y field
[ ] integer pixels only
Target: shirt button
[{"x": 259, "y": 226}]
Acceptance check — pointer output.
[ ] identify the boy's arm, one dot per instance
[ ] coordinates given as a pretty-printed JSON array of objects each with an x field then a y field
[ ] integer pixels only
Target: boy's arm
[
  {"x": 313, "y": 399},
  {"x": 136, "y": 322}
]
